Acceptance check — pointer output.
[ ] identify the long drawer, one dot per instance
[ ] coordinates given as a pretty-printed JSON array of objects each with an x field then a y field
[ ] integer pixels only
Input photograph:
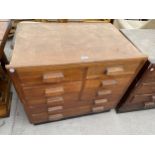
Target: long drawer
[
  {"x": 52, "y": 90},
  {"x": 49, "y": 76},
  {"x": 55, "y": 100}
]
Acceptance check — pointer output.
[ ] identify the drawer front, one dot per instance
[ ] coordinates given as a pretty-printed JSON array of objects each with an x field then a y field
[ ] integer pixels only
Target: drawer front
[
  {"x": 128, "y": 107},
  {"x": 142, "y": 98},
  {"x": 57, "y": 100},
  {"x": 146, "y": 88},
  {"x": 112, "y": 69},
  {"x": 48, "y": 76},
  {"x": 115, "y": 83},
  {"x": 137, "y": 106},
  {"x": 52, "y": 90}
]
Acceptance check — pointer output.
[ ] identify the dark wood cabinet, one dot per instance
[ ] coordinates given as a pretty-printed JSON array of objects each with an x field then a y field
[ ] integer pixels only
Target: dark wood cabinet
[
  {"x": 141, "y": 93},
  {"x": 5, "y": 94},
  {"x": 65, "y": 70}
]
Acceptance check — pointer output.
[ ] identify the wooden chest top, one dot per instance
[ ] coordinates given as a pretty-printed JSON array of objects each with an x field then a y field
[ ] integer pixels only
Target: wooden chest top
[
  {"x": 144, "y": 40},
  {"x": 39, "y": 44}
]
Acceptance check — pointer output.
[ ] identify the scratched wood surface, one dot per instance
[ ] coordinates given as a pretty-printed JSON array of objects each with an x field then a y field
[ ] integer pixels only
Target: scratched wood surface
[{"x": 69, "y": 43}]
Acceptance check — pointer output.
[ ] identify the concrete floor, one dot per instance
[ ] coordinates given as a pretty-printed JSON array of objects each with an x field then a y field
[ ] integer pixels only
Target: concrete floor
[{"x": 140, "y": 122}]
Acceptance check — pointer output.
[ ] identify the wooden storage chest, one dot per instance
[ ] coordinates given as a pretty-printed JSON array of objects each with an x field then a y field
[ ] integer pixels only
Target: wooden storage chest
[
  {"x": 141, "y": 94},
  {"x": 63, "y": 70}
]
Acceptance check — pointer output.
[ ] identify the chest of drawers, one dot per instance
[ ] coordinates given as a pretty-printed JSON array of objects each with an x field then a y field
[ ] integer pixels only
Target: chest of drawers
[
  {"x": 141, "y": 94},
  {"x": 63, "y": 70}
]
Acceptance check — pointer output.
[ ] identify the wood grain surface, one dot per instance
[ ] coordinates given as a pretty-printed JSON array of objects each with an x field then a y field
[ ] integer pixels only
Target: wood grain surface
[{"x": 69, "y": 43}]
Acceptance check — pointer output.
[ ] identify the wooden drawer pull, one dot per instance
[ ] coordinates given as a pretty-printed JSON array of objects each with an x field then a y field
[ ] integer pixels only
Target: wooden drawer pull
[
  {"x": 51, "y": 109},
  {"x": 109, "y": 82},
  {"x": 98, "y": 109},
  {"x": 104, "y": 92},
  {"x": 54, "y": 91},
  {"x": 53, "y": 100},
  {"x": 153, "y": 98},
  {"x": 149, "y": 104},
  {"x": 114, "y": 70},
  {"x": 101, "y": 101},
  {"x": 53, "y": 77},
  {"x": 55, "y": 117}
]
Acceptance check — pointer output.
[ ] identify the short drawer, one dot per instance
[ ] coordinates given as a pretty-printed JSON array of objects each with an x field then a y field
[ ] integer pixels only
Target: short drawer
[
  {"x": 99, "y": 94},
  {"x": 113, "y": 84},
  {"x": 52, "y": 90},
  {"x": 145, "y": 88},
  {"x": 49, "y": 76},
  {"x": 137, "y": 106},
  {"x": 112, "y": 69},
  {"x": 145, "y": 98}
]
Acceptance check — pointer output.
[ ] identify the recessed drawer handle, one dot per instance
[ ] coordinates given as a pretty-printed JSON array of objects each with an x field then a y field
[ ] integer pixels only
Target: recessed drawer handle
[
  {"x": 53, "y": 77},
  {"x": 101, "y": 101},
  {"x": 54, "y": 91},
  {"x": 55, "y": 100},
  {"x": 108, "y": 82},
  {"x": 56, "y": 108},
  {"x": 114, "y": 70},
  {"x": 98, "y": 109},
  {"x": 55, "y": 117},
  {"x": 149, "y": 104},
  {"x": 104, "y": 92}
]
